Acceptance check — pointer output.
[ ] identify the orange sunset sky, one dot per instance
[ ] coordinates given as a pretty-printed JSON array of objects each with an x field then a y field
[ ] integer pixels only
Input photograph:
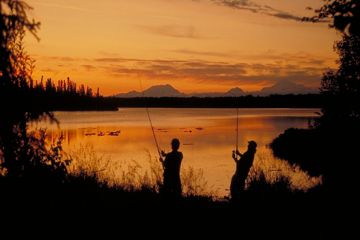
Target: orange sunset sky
[{"x": 194, "y": 45}]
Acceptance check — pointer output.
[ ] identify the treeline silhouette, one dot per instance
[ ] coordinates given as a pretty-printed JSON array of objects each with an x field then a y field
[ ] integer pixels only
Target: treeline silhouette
[
  {"x": 63, "y": 95},
  {"x": 272, "y": 101},
  {"x": 64, "y": 87}
]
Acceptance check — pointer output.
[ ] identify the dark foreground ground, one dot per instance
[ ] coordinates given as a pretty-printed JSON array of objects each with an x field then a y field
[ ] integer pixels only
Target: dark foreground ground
[{"x": 86, "y": 209}]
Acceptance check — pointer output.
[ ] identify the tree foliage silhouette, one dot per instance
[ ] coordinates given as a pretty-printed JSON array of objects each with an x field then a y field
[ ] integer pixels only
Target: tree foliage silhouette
[
  {"x": 22, "y": 153},
  {"x": 344, "y": 15},
  {"x": 14, "y": 20},
  {"x": 342, "y": 86},
  {"x": 328, "y": 148}
]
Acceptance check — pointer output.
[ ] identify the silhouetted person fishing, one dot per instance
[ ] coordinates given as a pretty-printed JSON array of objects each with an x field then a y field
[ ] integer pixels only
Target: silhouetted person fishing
[
  {"x": 243, "y": 165},
  {"x": 171, "y": 164}
]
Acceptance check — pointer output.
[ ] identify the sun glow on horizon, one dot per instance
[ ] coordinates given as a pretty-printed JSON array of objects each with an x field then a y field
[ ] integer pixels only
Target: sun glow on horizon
[{"x": 196, "y": 46}]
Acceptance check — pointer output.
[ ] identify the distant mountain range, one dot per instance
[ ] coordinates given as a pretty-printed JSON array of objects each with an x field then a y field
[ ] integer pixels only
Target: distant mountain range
[
  {"x": 154, "y": 91},
  {"x": 284, "y": 87}
]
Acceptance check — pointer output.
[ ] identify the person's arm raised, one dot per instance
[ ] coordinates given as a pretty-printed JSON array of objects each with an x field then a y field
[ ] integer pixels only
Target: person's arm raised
[
  {"x": 235, "y": 155},
  {"x": 238, "y": 153},
  {"x": 162, "y": 156}
]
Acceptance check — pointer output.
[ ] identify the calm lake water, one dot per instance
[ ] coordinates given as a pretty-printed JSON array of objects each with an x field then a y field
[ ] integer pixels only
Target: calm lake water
[{"x": 207, "y": 137}]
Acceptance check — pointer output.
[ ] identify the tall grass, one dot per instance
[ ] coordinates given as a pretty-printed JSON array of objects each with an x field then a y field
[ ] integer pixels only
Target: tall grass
[
  {"x": 271, "y": 174},
  {"x": 130, "y": 175},
  {"x": 266, "y": 175}
]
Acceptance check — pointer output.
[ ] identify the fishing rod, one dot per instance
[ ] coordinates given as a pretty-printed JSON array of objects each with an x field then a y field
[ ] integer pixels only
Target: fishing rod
[
  {"x": 151, "y": 125},
  {"x": 237, "y": 129}
]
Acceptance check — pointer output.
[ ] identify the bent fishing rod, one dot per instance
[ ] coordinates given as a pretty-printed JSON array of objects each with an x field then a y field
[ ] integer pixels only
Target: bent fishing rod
[
  {"x": 149, "y": 118},
  {"x": 237, "y": 129}
]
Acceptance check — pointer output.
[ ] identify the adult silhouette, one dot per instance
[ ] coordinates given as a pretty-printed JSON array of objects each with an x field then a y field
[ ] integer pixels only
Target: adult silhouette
[
  {"x": 172, "y": 163},
  {"x": 243, "y": 165}
]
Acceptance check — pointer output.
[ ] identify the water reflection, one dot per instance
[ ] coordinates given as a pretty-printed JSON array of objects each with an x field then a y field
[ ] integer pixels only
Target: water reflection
[{"x": 208, "y": 137}]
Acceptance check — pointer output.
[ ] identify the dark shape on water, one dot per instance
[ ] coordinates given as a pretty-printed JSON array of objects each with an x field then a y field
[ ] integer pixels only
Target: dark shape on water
[
  {"x": 164, "y": 130},
  {"x": 172, "y": 164},
  {"x": 90, "y": 134},
  {"x": 101, "y": 134},
  {"x": 243, "y": 165},
  {"x": 199, "y": 128},
  {"x": 114, "y": 133},
  {"x": 188, "y": 131}
]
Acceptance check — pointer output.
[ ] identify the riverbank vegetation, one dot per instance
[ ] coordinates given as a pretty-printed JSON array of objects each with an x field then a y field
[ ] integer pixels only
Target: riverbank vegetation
[
  {"x": 272, "y": 101},
  {"x": 329, "y": 146}
]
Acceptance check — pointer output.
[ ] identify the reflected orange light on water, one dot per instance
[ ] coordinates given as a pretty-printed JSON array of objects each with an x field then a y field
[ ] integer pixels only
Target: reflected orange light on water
[{"x": 208, "y": 137}]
